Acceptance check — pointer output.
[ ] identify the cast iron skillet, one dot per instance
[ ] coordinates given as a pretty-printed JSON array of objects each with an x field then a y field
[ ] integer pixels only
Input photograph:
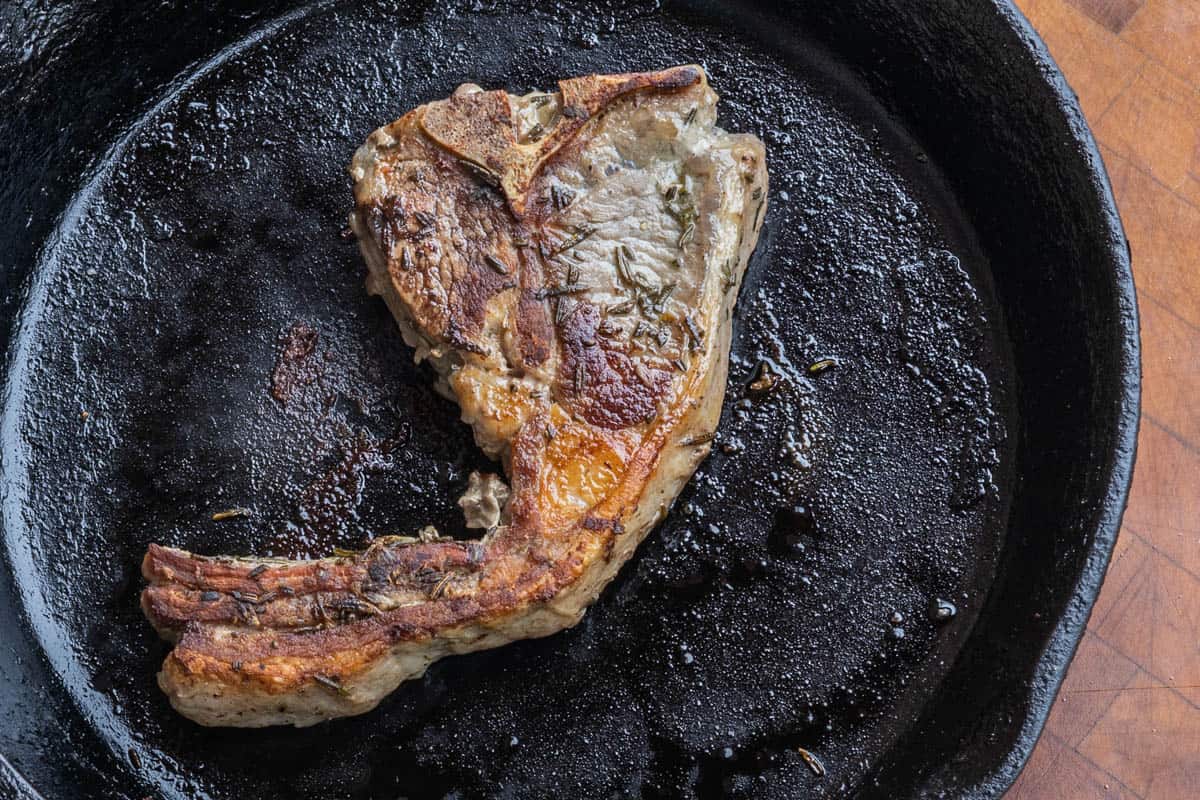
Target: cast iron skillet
[{"x": 939, "y": 224}]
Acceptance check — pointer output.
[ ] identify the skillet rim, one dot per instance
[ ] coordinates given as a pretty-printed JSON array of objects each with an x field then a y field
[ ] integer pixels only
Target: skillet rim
[{"x": 1050, "y": 668}]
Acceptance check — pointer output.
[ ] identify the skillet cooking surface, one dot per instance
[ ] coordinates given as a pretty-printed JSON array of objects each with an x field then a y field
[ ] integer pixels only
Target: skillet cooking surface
[{"x": 198, "y": 338}]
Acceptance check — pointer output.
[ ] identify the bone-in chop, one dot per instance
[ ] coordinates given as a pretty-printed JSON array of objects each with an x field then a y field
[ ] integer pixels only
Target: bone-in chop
[{"x": 568, "y": 263}]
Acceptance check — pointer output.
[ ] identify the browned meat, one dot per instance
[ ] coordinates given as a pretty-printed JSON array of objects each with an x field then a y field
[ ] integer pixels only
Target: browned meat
[{"x": 568, "y": 262}]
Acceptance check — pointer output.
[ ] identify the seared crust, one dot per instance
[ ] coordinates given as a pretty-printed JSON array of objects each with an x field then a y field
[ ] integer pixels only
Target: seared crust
[{"x": 461, "y": 216}]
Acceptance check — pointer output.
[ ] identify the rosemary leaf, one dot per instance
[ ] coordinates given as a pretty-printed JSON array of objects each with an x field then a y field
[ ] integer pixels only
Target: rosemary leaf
[
  {"x": 330, "y": 683},
  {"x": 813, "y": 763},
  {"x": 496, "y": 264},
  {"x": 699, "y": 438},
  {"x": 559, "y": 291},
  {"x": 689, "y": 233},
  {"x": 694, "y": 333},
  {"x": 821, "y": 365},
  {"x": 581, "y": 233}
]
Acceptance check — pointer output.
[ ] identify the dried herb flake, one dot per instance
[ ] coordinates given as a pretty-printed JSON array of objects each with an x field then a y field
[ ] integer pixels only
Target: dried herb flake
[
  {"x": 820, "y": 366},
  {"x": 330, "y": 683},
  {"x": 496, "y": 264}
]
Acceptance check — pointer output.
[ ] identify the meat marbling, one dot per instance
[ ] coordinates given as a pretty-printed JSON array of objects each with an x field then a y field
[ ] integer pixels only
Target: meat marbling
[{"x": 568, "y": 262}]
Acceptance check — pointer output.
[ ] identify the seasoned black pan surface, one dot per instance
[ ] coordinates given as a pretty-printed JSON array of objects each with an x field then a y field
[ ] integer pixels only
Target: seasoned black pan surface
[{"x": 870, "y": 589}]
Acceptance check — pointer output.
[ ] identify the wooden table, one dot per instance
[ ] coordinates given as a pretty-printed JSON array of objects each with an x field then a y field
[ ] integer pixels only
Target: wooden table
[{"x": 1127, "y": 722}]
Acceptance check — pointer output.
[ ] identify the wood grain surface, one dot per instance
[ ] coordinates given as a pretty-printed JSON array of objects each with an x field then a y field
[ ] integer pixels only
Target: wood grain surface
[{"x": 1126, "y": 724}]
